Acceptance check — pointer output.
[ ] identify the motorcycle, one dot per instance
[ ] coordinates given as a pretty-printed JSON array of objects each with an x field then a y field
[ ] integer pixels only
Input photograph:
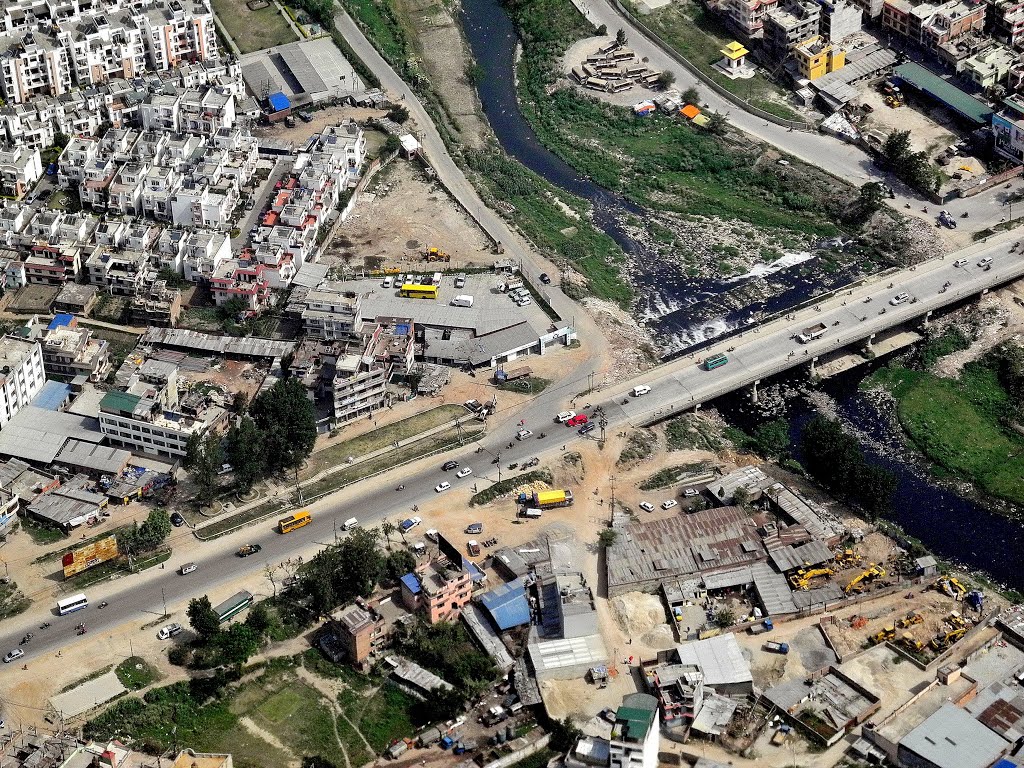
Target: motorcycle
[
  {"x": 82, "y": 631},
  {"x": 495, "y": 460},
  {"x": 625, "y": 401},
  {"x": 400, "y": 488},
  {"x": 44, "y": 625},
  {"x": 541, "y": 436},
  {"x": 964, "y": 215},
  {"x": 513, "y": 465},
  {"x": 104, "y": 604}
]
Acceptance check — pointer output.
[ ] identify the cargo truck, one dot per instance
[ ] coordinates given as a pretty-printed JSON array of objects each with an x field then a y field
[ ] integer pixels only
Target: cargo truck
[
  {"x": 808, "y": 335},
  {"x": 511, "y": 285},
  {"x": 462, "y": 300},
  {"x": 546, "y": 499},
  {"x": 522, "y": 372},
  {"x": 429, "y": 736},
  {"x": 775, "y": 647}
]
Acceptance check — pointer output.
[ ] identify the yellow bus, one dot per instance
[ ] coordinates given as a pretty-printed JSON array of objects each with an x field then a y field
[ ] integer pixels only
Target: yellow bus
[
  {"x": 415, "y": 291},
  {"x": 292, "y": 522}
]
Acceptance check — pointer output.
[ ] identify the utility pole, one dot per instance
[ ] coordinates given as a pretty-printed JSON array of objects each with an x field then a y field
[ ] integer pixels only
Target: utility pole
[
  {"x": 611, "y": 508},
  {"x": 164, "y": 596}
]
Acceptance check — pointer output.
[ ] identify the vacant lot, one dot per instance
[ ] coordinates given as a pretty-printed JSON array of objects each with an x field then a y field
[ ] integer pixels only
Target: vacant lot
[{"x": 253, "y": 30}]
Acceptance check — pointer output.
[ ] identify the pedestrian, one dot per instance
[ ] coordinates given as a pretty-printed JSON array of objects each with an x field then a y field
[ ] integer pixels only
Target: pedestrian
[{"x": 563, "y": 447}]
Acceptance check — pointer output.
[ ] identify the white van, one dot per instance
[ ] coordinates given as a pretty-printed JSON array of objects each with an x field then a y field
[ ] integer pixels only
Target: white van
[
  {"x": 169, "y": 631},
  {"x": 188, "y": 568},
  {"x": 437, "y": 278},
  {"x": 532, "y": 514},
  {"x": 462, "y": 301},
  {"x": 642, "y": 389},
  {"x": 350, "y": 524},
  {"x": 387, "y": 282}
]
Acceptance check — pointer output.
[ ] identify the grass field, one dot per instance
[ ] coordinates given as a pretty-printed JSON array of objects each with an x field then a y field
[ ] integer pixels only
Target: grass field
[
  {"x": 135, "y": 673},
  {"x": 955, "y": 423},
  {"x": 253, "y": 30}
]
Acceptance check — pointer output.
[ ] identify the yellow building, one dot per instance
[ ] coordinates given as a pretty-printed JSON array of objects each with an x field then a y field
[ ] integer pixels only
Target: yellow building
[{"x": 816, "y": 57}]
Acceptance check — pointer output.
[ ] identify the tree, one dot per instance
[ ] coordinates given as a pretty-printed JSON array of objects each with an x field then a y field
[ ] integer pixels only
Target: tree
[
  {"x": 150, "y": 535},
  {"x": 245, "y": 453},
  {"x": 835, "y": 458},
  {"x": 238, "y": 643},
  {"x": 607, "y": 537},
  {"x": 620, "y": 37},
  {"x": 239, "y": 402},
  {"x": 666, "y": 79},
  {"x": 399, "y": 563},
  {"x": 740, "y": 496},
  {"x": 870, "y": 199},
  {"x": 602, "y": 30},
  {"x": 204, "y": 458},
  {"x": 896, "y": 148},
  {"x": 564, "y": 735},
  {"x": 717, "y": 124},
  {"x": 399, "y": 113},
  {"x": 771, "y": 439},
  {"x": 386, "y": 529},
  {"x": 360, "y": 564},
  {"x": 202, "y": 618},
  {"x": 724, "y": 618},
  {"x": 691, "y": 96},
  {"x": 287, "y": 423},
  {"x": 446, "y": 703},
  {"x": 390, "y": 147},
  {"x": 233, "y": 308},
  {"x": 259, "y": 619}
]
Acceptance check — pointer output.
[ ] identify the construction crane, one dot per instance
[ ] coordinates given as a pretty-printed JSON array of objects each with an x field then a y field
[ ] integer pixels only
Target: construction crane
[
  {"x": 942, "y": 642},
  {"x": 950, "y": 586},
  {"x": 909, "y": 620},
  {"x": 870, "y": 574},
  {"x": 802, "y": 579}
]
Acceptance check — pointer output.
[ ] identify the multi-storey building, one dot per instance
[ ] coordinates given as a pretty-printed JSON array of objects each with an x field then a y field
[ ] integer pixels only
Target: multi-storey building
[
  {"x": 159, "y": 305},
  {"x": 21, "y": 375},
  {"x": 53, "y": 264},
  {"x": 355, "y": 380},
  {"x": 103, "y": 47},
  {"x": 32, "y": 66},
  {"x": 439, "y": 590},
  {"x": 178, "y": 32},
  {"x": 203, "y": 253},
  {"x": 817, "y": 57},
  {"x": 235, "y": 280},
  {"x": 788, "y": 25},
  {"x": 1008, "y": 130},
  {"x": 1006, "y": 19},
  {"x": 356, "y": 632},
  {"x": 206, "y": 112},
  {"x": 70, "y": 350},
  {"x": 746, "y": 17},
  {"x": 635, "y": 735},
  {"x": 331, "y": 314},
  {"x": 840, "y": 19},
  {"x": 933, "y": 26},
  {"x": 20, "y": 169}
]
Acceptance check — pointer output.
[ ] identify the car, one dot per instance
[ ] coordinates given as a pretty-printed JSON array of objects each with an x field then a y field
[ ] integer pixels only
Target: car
[
  {"x": 564, "y": 416},
  {"x": 899, "y": 298},
  {"x": 408, "y": 525},
  {"x": 586, "y": 428},
  {"x": 432, "y": 534},
  {"x": 177, "y": 520},
  {"x": 442, "y": 487},
  {"x": 17, "y": 653},
  {"x": 524, "y": 301},
  {"x": 464, "y": 472},
  {"x": 544, "y": 278},
  {"x": 985, "y": 262},
  {"x": 782, "y": 161},
  {"x": 475, "y": 528},
  {"x": 188, "y": 568},
  {"x": 960, "y": 263},
  {"x": 578, "y": 420},
  {"x": 225, "y": 469},
  {"x": 608, "y": 714},
  {"x": 646, "y": 506},
  {"x": 249, "y": 549},
  {"x": 691, "y": 492},
  {"x": 169, "y": 631},
  {"x": 448, "y": 466},
  {"x": 289, "y": 122},
  {"x": 669, "y": 504},
  {"x": 250, "y": 204},
  {"x": 305, "y": 117},
  {"x": 522, "y": 434}
]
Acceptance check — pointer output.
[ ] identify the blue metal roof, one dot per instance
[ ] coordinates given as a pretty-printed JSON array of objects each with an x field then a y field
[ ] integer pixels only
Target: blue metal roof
[
  {"x": 278, "y": 101},
  {"x": 412, "y": 583},
  {"x": 507, "y": 605},
  {"x": 60, "y": 320},
  {"x": 474, "y": 572},
  {"x": 52, "y": 396}
]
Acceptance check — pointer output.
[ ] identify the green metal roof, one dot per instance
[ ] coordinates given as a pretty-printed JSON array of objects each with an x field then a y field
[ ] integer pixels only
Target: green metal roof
[
  {"x": 124, "y": 402},
  {"x": 632, "y": 724},
  {"x": 931, "y": 84}
]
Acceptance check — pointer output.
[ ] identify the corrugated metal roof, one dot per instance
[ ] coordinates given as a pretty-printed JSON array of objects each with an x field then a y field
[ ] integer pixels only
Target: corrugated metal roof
[
  {"x": 507, "y": 605},
  {"x": 948, "y": 94},
  {"x": 718, "y": 658},
  {"x": 124, "y": 402},
  {"x": 52, "y": 396},
  {"x": 951, "y": 738}
]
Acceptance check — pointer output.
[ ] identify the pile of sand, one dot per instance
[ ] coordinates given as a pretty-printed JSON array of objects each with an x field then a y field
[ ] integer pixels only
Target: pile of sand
[{"x": 638, "y": 613}]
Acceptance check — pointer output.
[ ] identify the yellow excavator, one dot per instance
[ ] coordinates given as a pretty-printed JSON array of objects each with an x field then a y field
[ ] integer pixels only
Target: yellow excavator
[
  {"x": 909, "y": 620},
  {"x": 882, "y": 636},
  {"x": 802, "y": 579},
  {"x": 860, "y": 581},
  {"x": 436, "y": 254},
  {"x": 957, "y": 621},
  {"x": 846, "y": 558},
  {"x": 950, "y": 586},
  {"x": 942, "y": 642},
  {"x": 907, "y": 641}
]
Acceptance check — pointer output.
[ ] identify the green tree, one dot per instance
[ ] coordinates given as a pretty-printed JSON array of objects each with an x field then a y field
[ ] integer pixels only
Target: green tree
[
  {"x": 204, "y": 458},
  {"x": 202, "y": 618},
  {"x": 607, "y": 537},
  {"x": 564, "y": 735},
  {"x": 666, "y": 79},
  {"x": 620, "y": 37},
  {"x": 836, "y": 460},
  {"x": 398, "y": 113},
  {"x": 399, "y": 563},
  {"x": 386, "y": 529},
  {"x": 232, "y": 308},
  {"x": 771, "y": 439},
  {"x": 238, "y": 643},
  {"x": 717, "y": 124},
  {"x": 148, "y": 536},
  {"x": 360, "y": 564},
  {"x": 260, "y": 620},
  {"x": 691, "y": 96},
  {"x": 446, "y": 703},
  {"x": 724, "y": 618},
  {"x": 896, "y": 148},
  {"x": 602, "y": 30},
  {"x": 245, "y": 452},
  {"x": 390, "y": 147},
  {"x": 285, "y": 418},
  {"x": 870, "y": 199},
  {"x": 239, "y": 402}
]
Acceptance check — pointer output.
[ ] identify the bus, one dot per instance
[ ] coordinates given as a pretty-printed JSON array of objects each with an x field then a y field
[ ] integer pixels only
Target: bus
[
  {"x": 414, "y": 291},
  {"x": 292, "y": 522},
  {"x": 72, "y": 604},
  {"x": 234, "y": 605},
  {"x": 715, "y": 361}
]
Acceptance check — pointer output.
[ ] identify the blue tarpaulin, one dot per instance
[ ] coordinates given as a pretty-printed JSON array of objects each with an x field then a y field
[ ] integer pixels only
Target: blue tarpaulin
[
  {"x": 52, "y": 396},
  {"x": 279, "y": 102},
  {"x": 60, "y": 320},
  {"x": 412, "y": 582}
]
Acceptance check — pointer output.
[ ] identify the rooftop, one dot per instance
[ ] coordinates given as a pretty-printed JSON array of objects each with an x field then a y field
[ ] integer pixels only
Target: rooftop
[
  {"x": 718, "y": 658},
  {"x": 951, "y": 738}
]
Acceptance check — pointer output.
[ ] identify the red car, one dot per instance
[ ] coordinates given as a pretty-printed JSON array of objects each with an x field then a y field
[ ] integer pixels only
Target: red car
[{"x": 577, "y": 420}]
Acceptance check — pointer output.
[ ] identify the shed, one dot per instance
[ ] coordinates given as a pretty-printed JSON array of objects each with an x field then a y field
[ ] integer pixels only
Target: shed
[
  {"x": 927, "y": 566},
  {"x": 507, "y": 605},
  {"x": 279, "y": 102}
]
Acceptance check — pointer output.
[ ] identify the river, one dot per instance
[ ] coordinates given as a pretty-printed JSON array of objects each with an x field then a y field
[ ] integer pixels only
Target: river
[
  {"x": 681, "y": 312},
  {"x": 685, "y": 312}
]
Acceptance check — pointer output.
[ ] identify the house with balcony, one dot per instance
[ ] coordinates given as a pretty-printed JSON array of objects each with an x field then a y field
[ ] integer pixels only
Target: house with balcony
[
  {"x": 438, "y": 590},
  {"x": 235, "y": 279},
  {"x": 203, "y": 253},
  {"x": 354, "y": 379},
  {"x": 70, "y": 350},
  {"x": 20, "y": 169}
]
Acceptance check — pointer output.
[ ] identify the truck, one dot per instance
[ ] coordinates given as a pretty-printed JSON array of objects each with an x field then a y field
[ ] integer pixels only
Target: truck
[
  {"x": 494, "y": 715},
  {"x": 462, "y": 300},
  {"x": 510, "y": 285},
  {"x": 775, "y": 647},
  {"x": 532, "y": 514},
  {"x": 429, "y": 736},
  {"x": 464, "y": 745},
  {"x": 501, "y": 376},
  {"x": 248, "y": 549},
  {"x": 546, "y": 499},
  {"x": 811, "y": 333},
  {"x": 398, "y": 748},
  {"x": 781, "y": 735},
  {"x": 764, "y": 626}
]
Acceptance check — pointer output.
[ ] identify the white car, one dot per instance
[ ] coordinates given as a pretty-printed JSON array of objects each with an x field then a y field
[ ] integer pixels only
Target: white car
[
  {"x": 669, "y": 504},
  {"x": 17, "y": 653},
  {"x": 464, "y": 472},
  {"x": 441, "y": 487},
  {"x": 646, "y": 506},
  {"x": 169, "y": 631},
  {"x": 564, "y": 416},
  {"x": 899, "y": 298},
  {"x": 691, "y": 492},
  {"x": 432, "y": 534},
  {"x": 960, "y": 263},
  {"x": 524, "y": 302},
  {"x": 985, "y": 262},
  {"x": 522, "y": 434}
]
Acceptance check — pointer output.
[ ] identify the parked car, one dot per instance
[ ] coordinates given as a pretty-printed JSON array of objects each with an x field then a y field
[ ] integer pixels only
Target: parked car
[
  {"x": 475, "y": 528},
  {"x": 169, "y": 631},
  {"x": 690, "y": 492},
  {"x": 669, "y": 504},
  {"x": 646, "y": 506},
  {"x": 305, "y": 117},
  {"x": 442, "y": 487},
  {"x": 985, "y": 262},
  {"x": 408, "y": 525},
  {"x": 449, "y": 465},
  {"x": 899, "y": 298},
  {"x": 289, "y": 121},
  {"x": 177, "y": 520},
  {"x": 464, "y": 472}
]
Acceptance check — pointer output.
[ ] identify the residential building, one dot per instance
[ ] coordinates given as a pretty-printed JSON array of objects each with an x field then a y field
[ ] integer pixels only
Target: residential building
[
  {"x": 788, "y": 25},
  {"x": 930, "y": 25},
  {"x": 817, "y": 57},
  {"x": 1008, "y": 130},
  {"x": 103, "y": 46},
  {"x": 70, "y": 350},
  {"x": 53, "y": 264},
  {"x": 438, "y": 589},
  {"x": 237, "y": 280},
  {"x": 635, "y": 734},
  {"x": 31, "y": 67},
  {"x": 20, "y": 169},
  {"x": 354, "y": 378},
  {"x": 747, "y": 17},
  {"x": 206, "y": 112},
  {"x": 159, "y": 305},
  {"x": 990, "y": 67},
  {"x": 1006, "y": 19},
  {"x": 21, "y": 375},
  {"x": 202, "y": 254},
  {"x": 178, "y": 32},
  {"x": 76, "y": 299},
  {"x": 331, "y": 314},
  {"x": 840, "y": 19},
  {"x": 355, "y": 632}
]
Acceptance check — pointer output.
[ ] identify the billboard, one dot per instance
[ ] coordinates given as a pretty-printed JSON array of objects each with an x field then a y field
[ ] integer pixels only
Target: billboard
[{"x": 89, "y": 555}]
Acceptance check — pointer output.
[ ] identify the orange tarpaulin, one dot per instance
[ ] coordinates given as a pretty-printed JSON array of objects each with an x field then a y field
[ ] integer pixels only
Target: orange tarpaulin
[{"x": 690, "y": 111}]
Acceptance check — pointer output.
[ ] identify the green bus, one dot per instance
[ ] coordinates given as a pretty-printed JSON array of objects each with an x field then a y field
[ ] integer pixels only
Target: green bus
[
  {"x": 715, "y": 361},
  {"x": 234, "y": 605}
]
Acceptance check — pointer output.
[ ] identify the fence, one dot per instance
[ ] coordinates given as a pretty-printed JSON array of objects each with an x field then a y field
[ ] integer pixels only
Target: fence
[
  {"x": 999, "y": 178},
  {"x": 746, "y": 106}
]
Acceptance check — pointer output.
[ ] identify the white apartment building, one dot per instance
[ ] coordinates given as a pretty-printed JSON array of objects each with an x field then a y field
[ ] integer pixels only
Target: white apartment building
[
  {"x": 21, "y": 375},
  {"x": 635, "y": 736},
  {"x": 178, "y": 32},
  {"x": 102, "y": 47},
  {"x": 206, "y": 112},
  {"x": 31, "y": 67},
  {"x": 20, "y": 168},
  {"x": 30, "y": 124},
  {"x": 159, "y": 112},
  {"x": 203, "y": 254}
]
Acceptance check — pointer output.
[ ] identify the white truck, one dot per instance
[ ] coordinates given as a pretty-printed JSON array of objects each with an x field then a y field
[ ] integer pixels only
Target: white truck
[
  {"x": 811, "y": 333},
  {"x": 462, "y": 300},
  {"x": 511, "y": 284}
]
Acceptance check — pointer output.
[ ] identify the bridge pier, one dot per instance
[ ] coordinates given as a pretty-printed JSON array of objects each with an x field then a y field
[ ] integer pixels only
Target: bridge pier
[
  {"x": 813, "y": 361},
  {"x": 753, "y": 391},
  {"x": 927, "y": 319},
  {"x": 867, "y": 342}
]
